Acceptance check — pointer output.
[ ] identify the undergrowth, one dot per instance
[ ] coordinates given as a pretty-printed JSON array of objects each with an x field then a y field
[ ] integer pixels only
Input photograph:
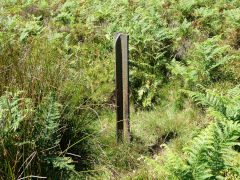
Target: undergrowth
[{"x": 57, "y": 89}]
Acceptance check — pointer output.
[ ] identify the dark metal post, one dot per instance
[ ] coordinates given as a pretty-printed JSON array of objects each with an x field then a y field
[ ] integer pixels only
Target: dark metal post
[{"x": 121, "y": 43}]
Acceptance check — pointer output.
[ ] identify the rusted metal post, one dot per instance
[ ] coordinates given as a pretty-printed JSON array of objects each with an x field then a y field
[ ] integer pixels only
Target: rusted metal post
[{"x": 121, "y": 45}]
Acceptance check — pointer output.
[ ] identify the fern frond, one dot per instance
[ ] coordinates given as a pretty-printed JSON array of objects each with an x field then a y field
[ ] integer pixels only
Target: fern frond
[
  {"x": 212, "y": 151},
  {"x": 174, "y": 165}
]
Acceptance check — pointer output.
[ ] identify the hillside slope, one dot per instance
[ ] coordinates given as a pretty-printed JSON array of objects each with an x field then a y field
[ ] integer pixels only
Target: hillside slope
[{"x": 57, "y": 89}]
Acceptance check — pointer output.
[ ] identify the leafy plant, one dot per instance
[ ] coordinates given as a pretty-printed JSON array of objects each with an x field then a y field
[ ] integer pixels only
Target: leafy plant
[
  {"x": 208, "y": 20},
  {"x": 30, "y": 137},
  {"x": 147, "y": 31},
  {"x": 202, "y": 63},
  {"x": 212, "y": 152}
]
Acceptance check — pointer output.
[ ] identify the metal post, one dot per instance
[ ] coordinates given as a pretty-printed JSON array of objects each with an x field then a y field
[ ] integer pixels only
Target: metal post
[{"x": 121, "y": 44}]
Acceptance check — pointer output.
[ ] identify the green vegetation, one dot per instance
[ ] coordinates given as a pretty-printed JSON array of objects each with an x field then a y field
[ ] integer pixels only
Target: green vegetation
[{"x": 57, "y": 89}]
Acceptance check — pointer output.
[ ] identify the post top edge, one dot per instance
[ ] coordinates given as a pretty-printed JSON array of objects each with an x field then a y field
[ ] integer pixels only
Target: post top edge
[{"x": 120, "y": 34}]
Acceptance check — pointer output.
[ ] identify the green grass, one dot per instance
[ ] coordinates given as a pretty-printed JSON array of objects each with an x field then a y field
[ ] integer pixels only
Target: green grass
[{"x": 150, "y": 129}]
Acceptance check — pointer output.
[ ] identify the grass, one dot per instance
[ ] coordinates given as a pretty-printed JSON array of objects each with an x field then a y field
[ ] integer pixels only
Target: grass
[{"x": 150, "y": 129}]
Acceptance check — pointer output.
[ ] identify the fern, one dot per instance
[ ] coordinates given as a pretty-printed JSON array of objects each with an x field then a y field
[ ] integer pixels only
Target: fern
[
  {"x": 47, "y": 123},
  {"x": 209, "y": 154},
  {"x": 202, "y": 62},
  {"x": 212, "y": 152},
  {"x": 227, "y": 105},
  {"x": 233, "y": 17},
  {"x": 11, "y": 113},
  {"x": 209, "y": 20},
  {"x": 148, "y": 32},
  {"x": 27, "y": 132}
]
